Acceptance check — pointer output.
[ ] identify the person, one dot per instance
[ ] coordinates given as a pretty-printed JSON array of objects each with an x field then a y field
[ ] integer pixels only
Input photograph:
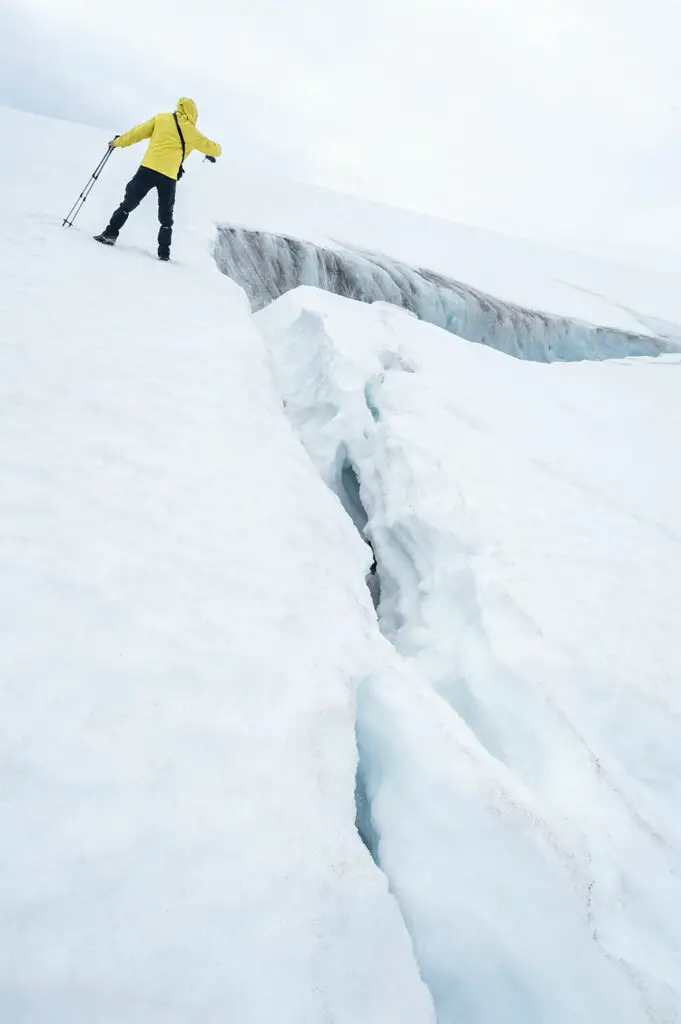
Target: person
[{"x": 172, "y": 138}]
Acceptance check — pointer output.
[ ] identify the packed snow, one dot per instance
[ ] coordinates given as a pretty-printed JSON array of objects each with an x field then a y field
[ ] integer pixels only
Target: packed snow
[{"x": 232, "y": 787}]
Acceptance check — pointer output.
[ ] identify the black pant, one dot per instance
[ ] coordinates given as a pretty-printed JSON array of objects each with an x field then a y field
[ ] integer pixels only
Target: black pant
[{"x": 144, "y": 180}]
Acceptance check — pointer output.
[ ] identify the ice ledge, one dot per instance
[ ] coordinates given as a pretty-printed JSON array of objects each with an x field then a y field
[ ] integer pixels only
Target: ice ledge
[{"x": 268, "y": 265}]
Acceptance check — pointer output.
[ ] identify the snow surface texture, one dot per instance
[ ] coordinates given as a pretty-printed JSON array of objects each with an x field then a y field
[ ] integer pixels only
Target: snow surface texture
[
  {"x": 525, "y": 519},
  {"x": 268, "y": 265},
  {"x": 200, "y": 706},
  {"x": 180, "y": 603}
]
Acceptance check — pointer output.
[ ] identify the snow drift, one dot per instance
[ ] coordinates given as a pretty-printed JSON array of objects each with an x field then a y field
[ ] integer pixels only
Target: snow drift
[{"x": 268, "y": 265}]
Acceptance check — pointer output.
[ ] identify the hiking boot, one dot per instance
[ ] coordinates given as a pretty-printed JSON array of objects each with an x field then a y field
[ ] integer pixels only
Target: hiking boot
[
  {"x": 164, "y": 256},
  {"x": 105, "y": 239}
]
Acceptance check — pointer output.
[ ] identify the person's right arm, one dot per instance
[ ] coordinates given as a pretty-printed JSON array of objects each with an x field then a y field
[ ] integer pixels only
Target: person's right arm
[{"x": 142, "y": 131}]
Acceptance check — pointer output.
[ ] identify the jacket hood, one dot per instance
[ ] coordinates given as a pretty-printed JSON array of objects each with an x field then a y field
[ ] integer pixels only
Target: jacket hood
[{"x": 187, "y": 108}]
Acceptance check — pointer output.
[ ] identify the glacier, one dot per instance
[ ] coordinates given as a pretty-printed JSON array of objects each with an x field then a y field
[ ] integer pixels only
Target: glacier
[
  {"x": 267, "y": 265},
  {"x": 338, "y": 655}
]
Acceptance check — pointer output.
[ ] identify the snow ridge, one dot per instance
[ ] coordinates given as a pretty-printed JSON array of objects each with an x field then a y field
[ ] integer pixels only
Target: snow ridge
[{"x": 267, "y": 265}]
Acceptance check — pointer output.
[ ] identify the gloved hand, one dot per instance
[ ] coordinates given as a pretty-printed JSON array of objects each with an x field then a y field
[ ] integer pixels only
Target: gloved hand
[{"x": 211, "y": 158}]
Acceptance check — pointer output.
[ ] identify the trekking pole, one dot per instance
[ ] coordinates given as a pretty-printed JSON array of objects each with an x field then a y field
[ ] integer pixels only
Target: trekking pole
[{"x": 80, "y": 201}]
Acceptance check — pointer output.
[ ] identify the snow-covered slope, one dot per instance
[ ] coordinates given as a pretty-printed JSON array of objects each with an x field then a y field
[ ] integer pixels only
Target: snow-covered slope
[
  {"x": 231, "y": 790},
  {"x": 177, "y": 744}
]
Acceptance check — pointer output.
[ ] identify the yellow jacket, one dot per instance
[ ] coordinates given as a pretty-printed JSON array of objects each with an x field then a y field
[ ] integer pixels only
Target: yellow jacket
[{"x": 164, "y": 152}]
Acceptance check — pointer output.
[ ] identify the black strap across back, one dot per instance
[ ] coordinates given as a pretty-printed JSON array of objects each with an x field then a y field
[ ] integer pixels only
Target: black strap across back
[{"x": 179, "y": 130}]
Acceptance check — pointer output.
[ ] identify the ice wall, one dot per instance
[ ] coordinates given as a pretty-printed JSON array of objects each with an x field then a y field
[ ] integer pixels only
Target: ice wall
[{"x": 268, "y": 265}]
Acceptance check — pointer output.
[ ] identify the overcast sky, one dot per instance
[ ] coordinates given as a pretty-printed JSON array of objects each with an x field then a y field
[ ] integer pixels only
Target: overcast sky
[{"x": 555, "y": 119}]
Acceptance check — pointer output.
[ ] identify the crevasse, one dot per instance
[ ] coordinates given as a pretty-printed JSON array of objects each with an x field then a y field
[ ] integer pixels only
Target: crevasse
[
  {"x": 267, "y": 265},
  {"x": 528, "y": 834}
]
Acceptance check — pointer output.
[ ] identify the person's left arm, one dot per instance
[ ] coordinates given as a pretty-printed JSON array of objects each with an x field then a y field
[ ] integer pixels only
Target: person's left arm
[{"x": 205, "y": 145}]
